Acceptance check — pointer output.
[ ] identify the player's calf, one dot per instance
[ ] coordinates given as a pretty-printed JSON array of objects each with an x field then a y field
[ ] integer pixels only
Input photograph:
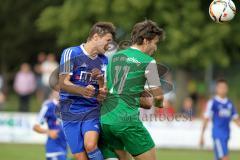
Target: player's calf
[
  {"x": 149, "y": 155},
  {"x": 80, "y": 156},
  {"x": 90, "y": 145},
  {"x": 123, "y": 155}
]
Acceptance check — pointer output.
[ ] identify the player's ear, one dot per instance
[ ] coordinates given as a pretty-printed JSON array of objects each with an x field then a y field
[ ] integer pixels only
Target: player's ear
[
  {"x": 95, "y": 37},
  {"x": 145, "y": 41}
]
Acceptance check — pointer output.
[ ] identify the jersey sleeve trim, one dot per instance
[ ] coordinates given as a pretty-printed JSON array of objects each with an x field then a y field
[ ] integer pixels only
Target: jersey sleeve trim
[
  {"x": 209, "y": 113},
  {"x": 151, "y": 74},
  {"x": 42, "y": 114},
  {"x": 234, "y": 113},
  {"x": 67, "y": 62}
]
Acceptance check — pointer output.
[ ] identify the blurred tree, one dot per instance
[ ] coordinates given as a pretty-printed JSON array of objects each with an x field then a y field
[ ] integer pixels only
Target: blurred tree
[
  {"x": 20, "y": 40},
  {"x": 193, "y": 40}
]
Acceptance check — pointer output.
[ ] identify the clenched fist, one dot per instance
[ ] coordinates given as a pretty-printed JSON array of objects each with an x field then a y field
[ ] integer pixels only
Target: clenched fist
[{"x": 89, "y": 91}]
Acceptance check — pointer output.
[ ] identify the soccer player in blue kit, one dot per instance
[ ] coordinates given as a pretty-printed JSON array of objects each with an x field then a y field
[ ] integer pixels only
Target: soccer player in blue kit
[
  {"x": 56, "y": 145},
  {"x": 221, "y": 111},
  {"x": 81, "y": 70}
]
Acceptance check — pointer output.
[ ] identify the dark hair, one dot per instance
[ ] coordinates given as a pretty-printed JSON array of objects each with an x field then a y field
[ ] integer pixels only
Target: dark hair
[
  {"x": 221, "y": 80},
  {"x": 102, "y": 28},
  {"x": 146, "y": 30}
]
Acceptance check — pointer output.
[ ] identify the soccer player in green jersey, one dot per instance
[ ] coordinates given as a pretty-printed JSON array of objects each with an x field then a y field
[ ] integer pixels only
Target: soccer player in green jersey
[{"x": 128, "y": 72}]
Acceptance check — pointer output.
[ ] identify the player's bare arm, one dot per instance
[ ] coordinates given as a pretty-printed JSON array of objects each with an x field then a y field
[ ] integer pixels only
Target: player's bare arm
[
  {"x": 68, "y": 86},
  {"x": 96, "y": 73},
  {"x": 205, "y": 123},
  {"x": 157, "y": 96},
  {"x": 51, "y": 133},
  {"x": 151, "y": 97},
  {"x": 146, "y": 100},
  {"x": 237, "y": 121},
  {"x": 102, "y": 93}
]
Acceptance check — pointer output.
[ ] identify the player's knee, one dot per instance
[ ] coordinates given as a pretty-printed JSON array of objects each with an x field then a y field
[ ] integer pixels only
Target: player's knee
[
  {"x": 90, "y": 146},
  {"x": 225, "y": 158}
]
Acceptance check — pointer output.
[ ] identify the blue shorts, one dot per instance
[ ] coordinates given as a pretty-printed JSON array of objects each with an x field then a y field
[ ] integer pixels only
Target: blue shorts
[
  {"x": 75, "y": 130},
  {"x": 220, "y": 147},
  {"x": 59, "y": 157}
]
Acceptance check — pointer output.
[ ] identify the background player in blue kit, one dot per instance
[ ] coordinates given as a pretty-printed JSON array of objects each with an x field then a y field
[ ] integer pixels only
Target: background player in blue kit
[
  {"x": 56, "y": 146},
  {"x": 79, "y": 85},
  {"x": 221, "y": 111}
]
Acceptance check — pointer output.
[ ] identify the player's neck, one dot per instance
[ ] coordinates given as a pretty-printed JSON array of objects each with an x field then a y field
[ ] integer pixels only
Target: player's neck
[
  {"x": 221, "y": 96},
  {"x": 140, "y": 48},
  {"x": 90, "y": 49}
]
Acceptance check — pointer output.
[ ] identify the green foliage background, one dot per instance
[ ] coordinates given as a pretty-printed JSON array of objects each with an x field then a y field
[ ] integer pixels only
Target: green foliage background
[
  {"x": 194, "y": 43},
  {"x": 193, "y": 40}
]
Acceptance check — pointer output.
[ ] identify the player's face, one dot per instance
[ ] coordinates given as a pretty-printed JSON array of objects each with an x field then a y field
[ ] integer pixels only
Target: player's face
[
  {"x": 151, "y": 46},
  {"x": 221, "y": 89},
  {"x": 103, "y": 42}
]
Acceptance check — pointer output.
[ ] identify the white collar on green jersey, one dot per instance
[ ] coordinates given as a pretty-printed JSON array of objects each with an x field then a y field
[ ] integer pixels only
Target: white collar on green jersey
[{"x": 135, "y": 48}]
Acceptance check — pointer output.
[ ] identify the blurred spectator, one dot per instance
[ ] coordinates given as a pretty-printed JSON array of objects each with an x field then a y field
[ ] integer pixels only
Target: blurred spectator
[
  {"x": 47, "y": 68},
  {"x": 2, "y": 97},
  {"x": 2, "y": 100},
  {"x": 1, "y": 83},
  {"x": 24, "y": 85},
  {"x": 38, "y": 72},
  {"x": 188, "y": 107},
  {"x": 171, "y": 96}
]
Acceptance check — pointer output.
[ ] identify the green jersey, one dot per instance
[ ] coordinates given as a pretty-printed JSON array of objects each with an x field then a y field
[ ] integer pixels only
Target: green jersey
[{"x": 127, "y": 73}]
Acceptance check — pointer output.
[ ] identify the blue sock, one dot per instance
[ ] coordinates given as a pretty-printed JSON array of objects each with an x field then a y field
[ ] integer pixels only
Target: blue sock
[{"x": 95, "y": 155}]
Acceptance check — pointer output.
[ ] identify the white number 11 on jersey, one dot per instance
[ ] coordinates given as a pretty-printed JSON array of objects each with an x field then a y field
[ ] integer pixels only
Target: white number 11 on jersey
[{"x": 122, "y": 79}]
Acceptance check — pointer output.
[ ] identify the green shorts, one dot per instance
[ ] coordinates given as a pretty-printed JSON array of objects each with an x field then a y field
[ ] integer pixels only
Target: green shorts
[{"x": 135, "y": 138}]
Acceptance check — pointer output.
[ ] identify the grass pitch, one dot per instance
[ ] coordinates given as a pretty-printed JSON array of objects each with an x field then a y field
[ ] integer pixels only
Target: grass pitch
[{"x": 36, "y": 152}]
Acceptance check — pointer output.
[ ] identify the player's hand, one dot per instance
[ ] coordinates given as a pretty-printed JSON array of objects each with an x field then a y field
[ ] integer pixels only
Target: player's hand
[
  {"x": 53, "y": 133},
  {"x": 89, "y": 91},
  {"x": 157, "y": 96},
  {"x": 146, "y": 100},
  {"x": 95, "y": 72},
  {"x": 201, "y": 142},
  {"x": 102, "y": 94},
  {"x": 158, "y": 101},
  {"x": 100, "y": 79}
]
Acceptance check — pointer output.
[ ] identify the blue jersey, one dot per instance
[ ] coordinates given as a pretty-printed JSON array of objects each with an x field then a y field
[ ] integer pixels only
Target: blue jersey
[
  {"x": 79, "y": 64},
  {"x": 221, "y": 111},
  {"x": 47, "y": 114}
]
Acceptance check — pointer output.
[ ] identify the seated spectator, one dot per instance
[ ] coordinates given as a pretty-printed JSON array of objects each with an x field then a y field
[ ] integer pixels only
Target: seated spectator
[
  {"x": 187, "y": 107},
  {"x": 2, "y": 97},
  {"x": 38, "y": 73},
  {"x": 47, "y": 68}
]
